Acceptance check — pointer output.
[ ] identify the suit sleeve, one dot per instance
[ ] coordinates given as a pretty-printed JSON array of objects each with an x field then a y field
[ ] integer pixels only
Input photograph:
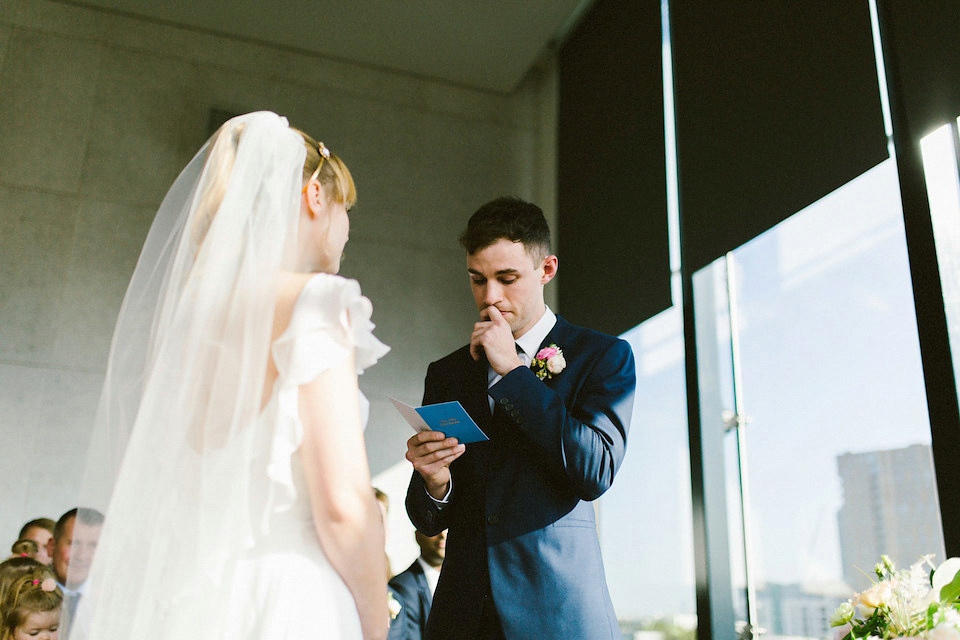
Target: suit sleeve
[
  {"x": 421, "y": 509},
  {"x": 587, "y": 440}
]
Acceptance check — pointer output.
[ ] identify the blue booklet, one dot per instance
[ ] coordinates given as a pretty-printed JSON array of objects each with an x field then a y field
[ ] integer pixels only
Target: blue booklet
[{"x": 449, "y": 418}]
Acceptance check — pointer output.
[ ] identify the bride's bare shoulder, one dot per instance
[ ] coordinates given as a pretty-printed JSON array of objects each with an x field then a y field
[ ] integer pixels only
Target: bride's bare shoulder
[{"x": 290, "y": 287}]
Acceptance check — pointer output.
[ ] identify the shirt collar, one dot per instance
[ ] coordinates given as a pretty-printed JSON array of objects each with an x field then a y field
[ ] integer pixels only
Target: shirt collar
[
  {"x": 67, "y": 591},
  {"x": 531, "y": 340}
]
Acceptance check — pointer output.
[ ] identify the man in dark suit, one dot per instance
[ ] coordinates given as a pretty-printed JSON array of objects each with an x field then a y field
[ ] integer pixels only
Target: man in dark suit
[
  {"x": 413, "y": 588},
  {"x": 523, "y": 558}
]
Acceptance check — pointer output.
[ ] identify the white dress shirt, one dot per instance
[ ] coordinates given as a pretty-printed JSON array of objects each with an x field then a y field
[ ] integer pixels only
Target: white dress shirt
[{"x": 432, "y": 574}]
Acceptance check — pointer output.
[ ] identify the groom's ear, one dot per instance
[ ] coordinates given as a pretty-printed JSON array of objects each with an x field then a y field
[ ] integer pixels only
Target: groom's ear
[{"x": 550, "y": 265}]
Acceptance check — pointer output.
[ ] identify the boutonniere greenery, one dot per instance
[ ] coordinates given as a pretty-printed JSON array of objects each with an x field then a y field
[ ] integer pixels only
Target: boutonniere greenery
[{"x": 548, "y": 362}]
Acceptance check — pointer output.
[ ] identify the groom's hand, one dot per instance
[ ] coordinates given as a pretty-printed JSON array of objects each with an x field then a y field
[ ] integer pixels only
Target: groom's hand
[
  {"x": 431, "y": 453},
  {"x": 493, "y": 336}
]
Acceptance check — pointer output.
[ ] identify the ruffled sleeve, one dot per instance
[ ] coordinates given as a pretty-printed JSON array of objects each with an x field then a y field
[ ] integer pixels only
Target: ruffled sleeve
[{"x": 330, "y": 319}]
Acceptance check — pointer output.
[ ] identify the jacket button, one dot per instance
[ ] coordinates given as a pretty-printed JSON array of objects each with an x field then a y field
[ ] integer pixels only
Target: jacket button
[
  {"x": 493, "y": 519},
  {"x": 503, "y": 401}
]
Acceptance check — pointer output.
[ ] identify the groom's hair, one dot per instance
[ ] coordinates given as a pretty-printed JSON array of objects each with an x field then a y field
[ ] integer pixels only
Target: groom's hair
[{"x": 510, "y": 218}]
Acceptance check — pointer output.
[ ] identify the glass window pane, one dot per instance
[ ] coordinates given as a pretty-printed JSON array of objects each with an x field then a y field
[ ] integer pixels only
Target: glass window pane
[
  {"x": 837, "y": 443},
  {"x": 943, "y": 192},
  {"x": 645, "y": 519}
]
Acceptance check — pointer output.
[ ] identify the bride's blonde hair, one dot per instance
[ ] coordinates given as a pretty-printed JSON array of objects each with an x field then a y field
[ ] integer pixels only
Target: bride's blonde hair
[{"x": 334, "y": 175}]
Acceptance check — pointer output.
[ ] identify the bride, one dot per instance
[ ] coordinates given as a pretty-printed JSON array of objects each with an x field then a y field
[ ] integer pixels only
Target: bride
[{"x": 242, "y": 507}]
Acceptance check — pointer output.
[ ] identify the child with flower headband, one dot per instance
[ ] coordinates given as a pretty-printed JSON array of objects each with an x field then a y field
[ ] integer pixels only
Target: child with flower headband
[
  {"x": 31, "y": 607},
  {"x": 10, "y": 570}
]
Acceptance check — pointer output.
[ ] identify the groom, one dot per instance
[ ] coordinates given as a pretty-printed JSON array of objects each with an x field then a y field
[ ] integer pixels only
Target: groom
[{"x": 522, "y": 559}]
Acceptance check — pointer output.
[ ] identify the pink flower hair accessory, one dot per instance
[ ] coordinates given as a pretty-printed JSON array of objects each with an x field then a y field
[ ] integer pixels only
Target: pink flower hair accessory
[{"x": 548, "y": 362}]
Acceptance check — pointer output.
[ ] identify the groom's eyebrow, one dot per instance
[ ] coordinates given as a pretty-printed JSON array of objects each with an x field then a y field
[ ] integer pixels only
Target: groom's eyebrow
[{"x": 498, "y": 273}]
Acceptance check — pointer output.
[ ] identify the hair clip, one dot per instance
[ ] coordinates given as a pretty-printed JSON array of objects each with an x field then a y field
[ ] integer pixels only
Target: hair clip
[
  {"x": 48, "y": 584},
  {"x": 324, "y": 154}
]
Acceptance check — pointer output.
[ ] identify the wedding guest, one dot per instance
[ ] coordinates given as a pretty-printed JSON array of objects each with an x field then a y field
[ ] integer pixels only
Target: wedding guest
[
  {"x": 10, "y": 570},
  {"x": 523, "y": 559},
  {"x": 24, "y": 548},
  {"x": 31, "y": 607},
  {"x": 72, "y": 548},
  {"x": 413, "y": 588},
  {"x": 40, "y": 530}
]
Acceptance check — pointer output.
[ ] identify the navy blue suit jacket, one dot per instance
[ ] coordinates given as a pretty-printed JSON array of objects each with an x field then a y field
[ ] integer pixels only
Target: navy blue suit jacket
[
  {"x": 411, "y": 590},
  {"x": 521, "y": 524}
]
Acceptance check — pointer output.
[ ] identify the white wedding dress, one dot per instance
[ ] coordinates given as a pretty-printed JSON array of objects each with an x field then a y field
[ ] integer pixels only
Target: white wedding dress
[
  {"x": 274, "y": 581},
  {"x": 283, "y": 587}
]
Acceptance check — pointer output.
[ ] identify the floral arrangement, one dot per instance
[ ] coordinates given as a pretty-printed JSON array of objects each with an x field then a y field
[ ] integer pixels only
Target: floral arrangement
[
  {"x": 911, "y": 603},
  {"x": 548, "y": 362}
]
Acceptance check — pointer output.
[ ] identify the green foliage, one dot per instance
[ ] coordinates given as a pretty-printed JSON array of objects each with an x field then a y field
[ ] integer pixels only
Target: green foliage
[{"x": 950, "y": 593}]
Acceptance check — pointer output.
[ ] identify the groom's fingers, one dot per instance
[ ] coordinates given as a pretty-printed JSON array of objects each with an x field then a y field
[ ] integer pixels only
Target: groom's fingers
[
  {"x": 479, "y": 329},
  {"x": 431, "y": 454},
  {"x": 427, "y": 447},
  {"x": 495, "y": 338},
  {"x": 495, "y": 316}
]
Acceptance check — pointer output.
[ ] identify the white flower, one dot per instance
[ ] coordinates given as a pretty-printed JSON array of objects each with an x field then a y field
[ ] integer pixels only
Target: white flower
[
  {"x": 867, "y": 601},
  {"x": 842, "y": 616},
  {"x": 951, "y": 616},
  {"x": 556, "y": 364},
  {"x": 944, "y": 632}
]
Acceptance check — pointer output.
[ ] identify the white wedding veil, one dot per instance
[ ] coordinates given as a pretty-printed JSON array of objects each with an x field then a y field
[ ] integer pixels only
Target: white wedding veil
[{"x": 177, "y": 430}]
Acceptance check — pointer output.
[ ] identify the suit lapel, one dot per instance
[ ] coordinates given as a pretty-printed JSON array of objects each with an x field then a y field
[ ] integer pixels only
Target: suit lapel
[{"x": 423, "y": 586}]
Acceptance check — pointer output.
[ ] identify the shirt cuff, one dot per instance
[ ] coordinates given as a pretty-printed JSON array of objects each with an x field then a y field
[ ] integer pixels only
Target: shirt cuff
[{"x": 446, "y": 498}]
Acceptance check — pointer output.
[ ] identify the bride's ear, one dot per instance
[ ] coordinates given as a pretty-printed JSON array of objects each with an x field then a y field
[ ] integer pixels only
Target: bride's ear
[{"x": 314, "y": 198}]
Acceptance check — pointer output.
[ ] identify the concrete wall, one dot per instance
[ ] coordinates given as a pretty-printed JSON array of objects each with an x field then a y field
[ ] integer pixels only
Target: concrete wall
[{"x": 99, "y": 112}]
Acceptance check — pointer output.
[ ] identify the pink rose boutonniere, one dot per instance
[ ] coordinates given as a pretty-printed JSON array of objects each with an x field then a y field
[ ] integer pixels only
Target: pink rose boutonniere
[{"x": 548, "y": 362}]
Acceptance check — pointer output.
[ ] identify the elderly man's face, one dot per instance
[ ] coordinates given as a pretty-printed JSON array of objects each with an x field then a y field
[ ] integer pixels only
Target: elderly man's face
[{"x": 73, "y": 552}]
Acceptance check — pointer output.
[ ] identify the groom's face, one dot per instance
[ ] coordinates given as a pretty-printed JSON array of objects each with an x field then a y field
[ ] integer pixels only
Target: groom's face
[{"x": 505, "y": 276}]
